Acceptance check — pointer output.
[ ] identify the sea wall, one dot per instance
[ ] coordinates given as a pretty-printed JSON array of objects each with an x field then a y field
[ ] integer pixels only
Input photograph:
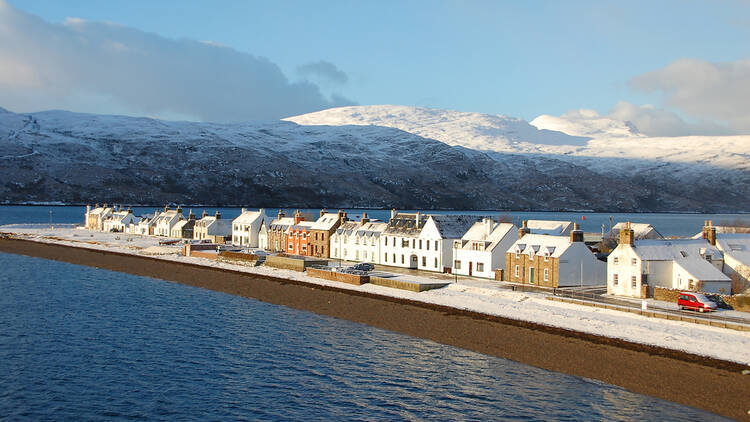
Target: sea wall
[{"x": 655, "y": 371}]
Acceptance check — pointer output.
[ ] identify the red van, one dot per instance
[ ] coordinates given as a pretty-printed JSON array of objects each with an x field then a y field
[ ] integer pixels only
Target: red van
[{"x": 696, "y": 302}]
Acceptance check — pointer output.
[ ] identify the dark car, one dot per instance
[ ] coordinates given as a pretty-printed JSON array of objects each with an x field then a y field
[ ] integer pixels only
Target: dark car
[
  {"x": 720, "y": 303},
  {"x": 364, "y": 266}
]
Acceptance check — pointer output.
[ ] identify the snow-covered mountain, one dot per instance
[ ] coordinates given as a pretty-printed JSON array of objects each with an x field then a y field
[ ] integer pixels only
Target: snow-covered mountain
[
  {"x": 596, "y": 142},
  {"x": 410, "y": 158}
]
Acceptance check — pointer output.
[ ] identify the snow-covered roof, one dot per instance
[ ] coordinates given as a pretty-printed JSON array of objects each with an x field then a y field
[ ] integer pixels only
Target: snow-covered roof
[
  {"x": 736, "y": 245},
  {"x": 179, "y": 225},
  {"x": 406, "y": 224},
  {"x": 301, "y": 226},
  {"x": 640, "y": 230},
  {"x": 674, "y": 249},
  {"x": 281, "y": 223},
  {"x": 454, "y": 226},
  {"x": 371, "y": 229},
  {"x": 549, "y": 227},
  {"x": 169, "y": 215},
  {"x": 478, "y": 233},
  {"x": 555, "y": 246},
  {"x": 248, "y": 217},
  {"x": 326, "y": 222},
  {"x": 701, "y": 269},
  {"x": 119, "y": 216}
]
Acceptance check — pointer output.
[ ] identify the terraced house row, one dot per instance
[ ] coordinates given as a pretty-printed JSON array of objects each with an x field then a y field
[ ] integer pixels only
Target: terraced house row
[{"x": 544, "y": 253}]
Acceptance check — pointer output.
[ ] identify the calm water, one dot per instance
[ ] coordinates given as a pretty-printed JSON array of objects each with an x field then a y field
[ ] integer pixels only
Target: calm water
[
  {"x": 666, "y": 224},
  {"x": 80, "y": 343}
]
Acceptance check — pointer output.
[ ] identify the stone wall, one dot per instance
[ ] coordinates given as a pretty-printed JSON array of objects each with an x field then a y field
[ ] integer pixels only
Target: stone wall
[
  {"x": 737, "y": 302},
  {"x": 337, "y": 276}
]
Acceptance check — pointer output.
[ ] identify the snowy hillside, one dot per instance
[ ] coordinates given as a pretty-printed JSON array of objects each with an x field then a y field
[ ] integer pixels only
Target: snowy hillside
[
  {"x": 596, "y": 142},
  {"x": 434, "y": 159}
]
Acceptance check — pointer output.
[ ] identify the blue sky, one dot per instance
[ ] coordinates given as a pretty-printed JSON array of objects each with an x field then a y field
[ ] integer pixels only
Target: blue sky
[{"x": 515, "y": 58}]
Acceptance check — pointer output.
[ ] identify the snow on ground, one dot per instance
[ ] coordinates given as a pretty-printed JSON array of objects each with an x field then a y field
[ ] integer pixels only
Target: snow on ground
[{"x": 473, "y": 296}]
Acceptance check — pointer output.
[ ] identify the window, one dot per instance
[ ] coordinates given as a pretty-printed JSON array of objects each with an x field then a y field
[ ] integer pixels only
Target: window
[
  {"x": 518, "y": 255},
  {"x": 402, "y": 259},
  {"x": 614, "y": 279},
  {"x": 413, "y": 243},
  {"x": 364, "y": 255},
  {"x": 480, "y": 267},
  {"x": 546, "y": 258},
  {"x": 424, "y": 261},
  {"x": 633, "y": 281},
  {"x": 517, "y": 272},
  {"x": 436, "y": 245},
  {"x": 356, "y": 255},
  {"x": 457, "y": 264},
  {"x": 394, "y": 258},
  {"x": 420, "y": 243},
  {"x": 404, "y": 243},
  {"x": 633, "y": 262},
  {"x": 616, "y": 260},
  {"x": 386, "y": 241},
  {"x": 335, "y": 251},
  {"x": 546, "y": 274},
  {"x": 291, "y": 247},
  {"x": 385, "y": 258},
  {"x": 435, "y": 262},
  {"x": 427, "y": 246}
]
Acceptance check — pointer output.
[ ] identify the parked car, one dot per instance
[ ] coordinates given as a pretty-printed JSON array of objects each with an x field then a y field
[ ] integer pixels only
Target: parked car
[
  {"x": 696, "y": 302},
  {"x": 364, "y": 266},
  {"x": 720, "y": 303}
]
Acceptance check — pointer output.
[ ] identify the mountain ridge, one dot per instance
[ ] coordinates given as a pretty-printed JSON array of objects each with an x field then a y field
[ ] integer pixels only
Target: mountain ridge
[{"x": 77, "y": 157}]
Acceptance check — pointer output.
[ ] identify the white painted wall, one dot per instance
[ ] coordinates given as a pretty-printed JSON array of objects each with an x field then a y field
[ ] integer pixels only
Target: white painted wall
[{"x": 576, "y": 258}]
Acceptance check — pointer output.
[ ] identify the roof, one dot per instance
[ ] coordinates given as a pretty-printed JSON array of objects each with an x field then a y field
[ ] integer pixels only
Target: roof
[
  {"x": 736, "y": 245},
  {"x": 674, "y": 249},
  {"x": 281, "y": 223},
  {"x": 301, "y": 226},
  {"x": 478, "y": 232},
  {"x": 179, "y": 225},
  {"x": 248, "y": 217},
  {"x": 371, "y": 229},
  {"x": 555, "y": 246},
  {"x": 100, "y": 210},
  {"x": 326, "y": 221},
  {"x": 454, "y": 226},
  {"x": 701, "y": 269},
  {"x": 640, "y": 230},
  {"x": 550, "y": 227},
  {"x": 169, "y": 215},
  {"x": 406, "y": 224}
]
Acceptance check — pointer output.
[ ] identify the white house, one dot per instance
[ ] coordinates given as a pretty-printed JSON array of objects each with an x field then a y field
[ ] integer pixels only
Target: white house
[
  {"x": 553, "y": 261},
  {"x": 482, "y": 249},
  {"x": 685, "y": 264},
  {"x": 246, "y": 227},
  {"x": 213, "y": 228},
  {"x": 398, "y": 242},
  {"x": 425, "y": 242},
  {"x": 119, "y": 221},
  {"x": 95, "y": 217},
  {"x": 167, "y": 220},
  {"x": 145, "y": 225},
  {"x": 358, "y": 241}
]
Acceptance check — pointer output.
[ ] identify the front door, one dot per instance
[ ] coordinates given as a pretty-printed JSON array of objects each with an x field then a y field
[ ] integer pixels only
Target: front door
[
  {"x": 470, "y": 268},
  {"x": 413, "y": 262},
  {"x": 531, "y": 275}
]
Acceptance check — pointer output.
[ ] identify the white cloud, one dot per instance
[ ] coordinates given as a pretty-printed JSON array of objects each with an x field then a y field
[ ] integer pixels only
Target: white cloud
[
  {"x": 653, "y": 121},
  {"x": 703, "y": 90},
  {"x": 45, "y": 66}
]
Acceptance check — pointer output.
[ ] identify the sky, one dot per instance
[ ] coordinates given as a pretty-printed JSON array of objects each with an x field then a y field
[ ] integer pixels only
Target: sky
[{"x": 671, "y": 67}]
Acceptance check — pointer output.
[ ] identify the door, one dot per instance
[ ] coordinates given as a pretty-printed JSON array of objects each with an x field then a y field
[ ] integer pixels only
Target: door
[
  {"x": 531, "y": 275},
  {"x": 413, "y": 262},
  {"x": 470, "y": 268}
]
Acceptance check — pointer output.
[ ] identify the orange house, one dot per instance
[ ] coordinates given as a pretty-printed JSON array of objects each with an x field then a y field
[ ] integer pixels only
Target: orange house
[{"x": 298, "y": 237}]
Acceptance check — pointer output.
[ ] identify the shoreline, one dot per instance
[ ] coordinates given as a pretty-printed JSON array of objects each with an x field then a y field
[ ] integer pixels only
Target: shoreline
[{"x": 668, "y": 374}]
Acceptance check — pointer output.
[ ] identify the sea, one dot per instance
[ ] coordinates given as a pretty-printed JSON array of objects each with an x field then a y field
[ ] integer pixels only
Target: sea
[{"x": 82, "y": 343}]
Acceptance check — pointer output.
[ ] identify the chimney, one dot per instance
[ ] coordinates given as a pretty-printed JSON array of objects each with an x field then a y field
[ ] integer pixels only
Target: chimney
[
  {"x": 322, "y": 212},
  {"x": 218, "y": 215},
  {"x": 243, "y": 210},
  {"x": 626, "y": 235},
  {"x": 130, "y": 210},
  {"x": 298, "y": 217},
  {"x": 419, "y": 215},
  {"x": 393, "y": 212},
  {"x": 709, "y": 232},
  {"x": 97, "y": 205},
  {"x": 488, "y": 225},
  {"x": 191, "y": 216},
  {"x": 205, "y": 214},
  {"x": 166, "y": 208},
  {"x": 365, "y": 220},
  {"x": 179, "y": 209},
  {"x": 105, "y": 205},
  {"x": 281, "y": 214},
  {"x": 576, "y": 235},
  {"x": 524, "y": 230}
]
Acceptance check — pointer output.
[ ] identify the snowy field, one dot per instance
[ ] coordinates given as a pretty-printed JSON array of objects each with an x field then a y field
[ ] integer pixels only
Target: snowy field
[{"x": 478, "y": 297}]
